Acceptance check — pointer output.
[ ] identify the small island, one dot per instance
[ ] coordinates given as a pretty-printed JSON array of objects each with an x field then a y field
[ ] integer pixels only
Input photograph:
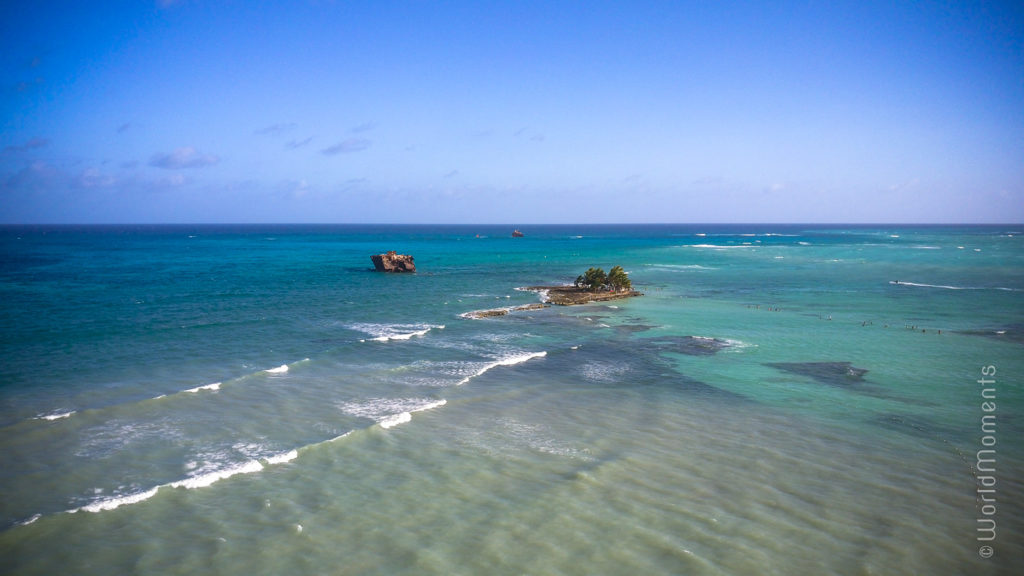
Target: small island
[
  {"x": 393, "y": 262},
  {"x": 592, "y": 286}
]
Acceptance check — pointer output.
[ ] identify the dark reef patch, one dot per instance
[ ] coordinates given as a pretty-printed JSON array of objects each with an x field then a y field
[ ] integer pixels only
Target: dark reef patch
[
  {"x": 840, "y": 374},
  {"x": 626, "y": 329},
  {"x": 1009, "y": 333},
  {"x": 631, "y": 363},
  {"x": 689, "y": 345}
]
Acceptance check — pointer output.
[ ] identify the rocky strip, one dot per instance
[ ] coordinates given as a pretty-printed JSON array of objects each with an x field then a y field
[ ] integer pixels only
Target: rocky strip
[
  {"x": 571, "y": 296},
  {"x": 478, "y": 314}
]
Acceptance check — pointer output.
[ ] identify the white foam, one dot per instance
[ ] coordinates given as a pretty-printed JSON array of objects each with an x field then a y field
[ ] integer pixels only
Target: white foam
[
  {"x": 386, "y": 332},
  {"x": 197, "y": 481},
  {"x": 117, "y": 502},
  {"x": 403, "y": 417},
  {"x": 720, "y": 246},
  {"x": 213, "y": 387},
  {"x": 390, "y": 412},
  {"x": 283, "y": 368},
  {"x": 30, "y": 520},
  {"x": 944, "y": 287},
  {"x": 55, "y": 415},
  {"x": 395, "y": 420},
  {"x": 203, "y": 480},
  {"x": 681, "y": 267},
  {"x": 544, "y": 294},
  {"x": 282, "y": 458},
  {"x": 735, "y": 345},
  {"x": 508, "y": 361},
  {"x": 339, "y": 437}
]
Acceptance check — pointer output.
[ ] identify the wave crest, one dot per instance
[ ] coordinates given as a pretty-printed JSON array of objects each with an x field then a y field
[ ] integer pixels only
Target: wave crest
[{"x": 386, "y": 332}]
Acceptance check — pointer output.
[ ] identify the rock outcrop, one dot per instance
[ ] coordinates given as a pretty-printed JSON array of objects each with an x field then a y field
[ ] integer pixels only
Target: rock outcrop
[
  {"x": 393, "y": 262},
  {"x": 478, "y": 314},
  {"x": 571, "y": 295}
]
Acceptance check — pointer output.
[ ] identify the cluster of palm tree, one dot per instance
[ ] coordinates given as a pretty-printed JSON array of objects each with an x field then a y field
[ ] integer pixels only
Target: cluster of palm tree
[{"x": 595, "y": 280}]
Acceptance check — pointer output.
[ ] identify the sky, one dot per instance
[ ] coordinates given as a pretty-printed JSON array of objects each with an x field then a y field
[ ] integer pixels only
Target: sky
[{"x": 309, "y": 111}]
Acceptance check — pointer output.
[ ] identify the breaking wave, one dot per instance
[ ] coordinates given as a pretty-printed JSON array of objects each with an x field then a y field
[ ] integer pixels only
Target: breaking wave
[
  {"x": 390, "y": 412},
  {"x": 944, "y": 287},
  {"x": 386, "y": 332},
  {"x": 507, "y": 361}
]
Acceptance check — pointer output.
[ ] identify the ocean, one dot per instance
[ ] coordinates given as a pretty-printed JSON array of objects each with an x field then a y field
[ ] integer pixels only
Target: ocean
[{"x": 783, "y": 399}]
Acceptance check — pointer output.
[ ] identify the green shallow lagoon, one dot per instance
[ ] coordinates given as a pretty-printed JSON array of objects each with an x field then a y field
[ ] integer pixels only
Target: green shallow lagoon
[{"x": 254, "y": 400}]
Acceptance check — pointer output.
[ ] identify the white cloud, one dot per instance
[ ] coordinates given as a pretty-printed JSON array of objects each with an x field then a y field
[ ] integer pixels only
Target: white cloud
[
  {"x": 93, "y": 178},
  {"x": 347, "y": 146},
  {"x": 32, "y": 144},
  {"x": 276, "y": 129},
  {"x": 293, "y": 144},
  {"x": 186, "y": 157},
  {"x": 364, "y": 127}
]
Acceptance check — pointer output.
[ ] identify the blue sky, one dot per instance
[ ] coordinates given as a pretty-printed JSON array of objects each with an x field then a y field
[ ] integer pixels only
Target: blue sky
[{"x": 511, "y": 112}]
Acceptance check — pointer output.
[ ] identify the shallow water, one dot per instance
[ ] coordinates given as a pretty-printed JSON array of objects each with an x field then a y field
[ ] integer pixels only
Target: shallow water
[{"x": 256, "y": 400}]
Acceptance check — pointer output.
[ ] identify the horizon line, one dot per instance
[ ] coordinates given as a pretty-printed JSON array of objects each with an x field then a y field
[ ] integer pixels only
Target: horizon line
[{"x": 506, "y": 224}]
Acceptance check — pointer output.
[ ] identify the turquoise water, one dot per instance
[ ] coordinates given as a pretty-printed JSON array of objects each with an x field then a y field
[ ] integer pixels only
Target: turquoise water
[{"x": 255, "y": 400}]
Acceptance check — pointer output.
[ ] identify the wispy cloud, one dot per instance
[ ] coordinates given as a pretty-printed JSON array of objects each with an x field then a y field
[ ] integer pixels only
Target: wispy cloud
[
  {"x": 34, "y": 176},
  {"x": 905, "y": 185},
  {"x": 364, "y": 127},
  {"x": 293, "y": 144},
  {"x": 32, "y": 144},
  {"x": 186, "y": 157},
  {"x": 531, "y": 135},
  {"x": 94, "y": 178},
  {"x": 27, "y": 85},
  {"x": 124, "y": 127},
  {"x": 347, "y": 146},
  {"x": 293, "y": 189},
  {"x": 276, "y": 129}
]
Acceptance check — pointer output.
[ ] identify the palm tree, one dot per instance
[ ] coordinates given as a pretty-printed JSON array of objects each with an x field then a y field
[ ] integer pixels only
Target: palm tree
[
  {"x": 593, "y": 279},
  {"x": 618, "y": 280}
]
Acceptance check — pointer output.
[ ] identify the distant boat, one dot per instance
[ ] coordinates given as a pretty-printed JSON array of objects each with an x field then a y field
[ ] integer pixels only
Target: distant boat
[{"x": 517, "y": 234}]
